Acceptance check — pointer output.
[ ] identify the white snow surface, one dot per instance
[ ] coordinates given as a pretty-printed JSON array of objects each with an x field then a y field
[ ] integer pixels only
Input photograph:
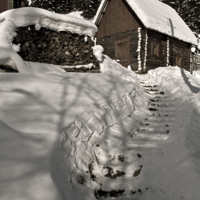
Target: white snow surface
[
  {"x": 76, "y": 14},
  {"x": 54, "y": 21},
  {"x": 158, "y": 16},
  {"x": 70, "y": 135},
  {"x": 11, "y": 19},
  {"x": 34, "y": 109}
]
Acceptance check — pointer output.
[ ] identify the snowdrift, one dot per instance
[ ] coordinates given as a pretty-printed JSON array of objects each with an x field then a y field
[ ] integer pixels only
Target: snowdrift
[{"x": 37, "y": 113}]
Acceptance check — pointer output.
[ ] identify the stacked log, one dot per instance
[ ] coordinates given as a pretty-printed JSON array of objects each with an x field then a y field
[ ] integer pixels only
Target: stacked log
[{"x": 58, "y": 48}]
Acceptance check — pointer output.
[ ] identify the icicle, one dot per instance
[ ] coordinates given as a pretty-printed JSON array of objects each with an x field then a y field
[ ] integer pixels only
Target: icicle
[
  {"x": 95, "y": 41},
  {"x": 167, "y": 52},
  {"x": 139, "y": 49},
  {"x": 16, "y": 48},
  {"x": 37, "y": 26},
  {"x": 145, "y": 54},
  {"x": 129, "y": 68},
  {"x": 86, "y": 38}
]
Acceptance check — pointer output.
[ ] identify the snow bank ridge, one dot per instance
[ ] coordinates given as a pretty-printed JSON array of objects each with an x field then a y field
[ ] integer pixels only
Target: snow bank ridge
[
  {"x": 97, "y": 118},
  {"x": 80, "y": 137}
]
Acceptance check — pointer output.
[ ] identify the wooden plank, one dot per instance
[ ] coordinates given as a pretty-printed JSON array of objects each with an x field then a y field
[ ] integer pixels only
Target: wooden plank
[
  {"x": 117, "y": 12},
  {"x": 122, "y": 50},
  {"x": 117, "y": 3},
  {"x": 3, "y": 5}
]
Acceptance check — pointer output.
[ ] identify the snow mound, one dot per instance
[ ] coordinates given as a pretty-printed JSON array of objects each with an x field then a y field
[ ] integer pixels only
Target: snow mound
[
  {"x": 107, "y": 65},
  {"x": 70, "y": 164},
  {"x": 197, "y": 74},
  {"x": 182, "y": 80},
  {"x": 179, "y": 154},
  {"x": 76, "y": 14},
  {"x": 37, "y": 114}
]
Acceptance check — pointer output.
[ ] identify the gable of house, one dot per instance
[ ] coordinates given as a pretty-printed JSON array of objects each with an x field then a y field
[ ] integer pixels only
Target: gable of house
[{"x": 117, "y": 18}]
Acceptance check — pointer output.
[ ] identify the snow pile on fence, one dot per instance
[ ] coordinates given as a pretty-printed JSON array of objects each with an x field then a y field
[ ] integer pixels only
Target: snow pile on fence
[{"x": 12, "y": 19}]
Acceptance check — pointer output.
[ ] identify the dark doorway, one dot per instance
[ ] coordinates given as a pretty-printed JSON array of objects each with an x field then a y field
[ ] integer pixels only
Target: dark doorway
[{"x": 122, "y": 50}]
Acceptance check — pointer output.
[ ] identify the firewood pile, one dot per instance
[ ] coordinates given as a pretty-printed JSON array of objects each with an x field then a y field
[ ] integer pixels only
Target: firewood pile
[{"x": 58, "y": 48}]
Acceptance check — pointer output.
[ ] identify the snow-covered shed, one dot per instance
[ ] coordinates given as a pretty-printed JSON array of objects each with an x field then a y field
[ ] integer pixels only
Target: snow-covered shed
[{"x": 144, "y": 34}]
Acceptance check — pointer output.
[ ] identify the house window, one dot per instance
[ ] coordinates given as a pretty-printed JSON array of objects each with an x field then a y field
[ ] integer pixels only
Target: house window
[
  {"x": 178, "y": 61},
  {"x": 154, "y": 49}
]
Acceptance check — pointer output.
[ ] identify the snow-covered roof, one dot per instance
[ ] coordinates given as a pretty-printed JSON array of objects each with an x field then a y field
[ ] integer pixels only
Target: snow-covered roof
[{"x": 157, "y": 16}]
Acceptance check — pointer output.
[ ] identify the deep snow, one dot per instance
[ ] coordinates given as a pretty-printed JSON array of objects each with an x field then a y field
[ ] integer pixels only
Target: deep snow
[
  {"x": 129, "y": 141},
  {"x": 34, "y": 109}
]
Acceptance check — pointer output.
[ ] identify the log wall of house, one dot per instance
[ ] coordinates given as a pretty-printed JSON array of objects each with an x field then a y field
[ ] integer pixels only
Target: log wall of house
[
  {"x": 118, "y": 18},
  {"x": 108, "y": 44},
  {"x": 177, "y": 49},
  {"x": 153, "y": 60},
  {"x": 181, "y": 50},
  {"x": 3, "y": 5}
]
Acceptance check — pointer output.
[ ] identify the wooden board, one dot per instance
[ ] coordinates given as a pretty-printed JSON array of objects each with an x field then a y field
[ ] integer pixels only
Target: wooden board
[
  {"x": 118, "y": 18},
  {"x": 3, "y": 5},
  {"x": 122, "y": 50}
]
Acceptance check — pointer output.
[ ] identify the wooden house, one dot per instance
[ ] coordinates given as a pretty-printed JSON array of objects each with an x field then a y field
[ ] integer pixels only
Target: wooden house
[
  {"x": 10, "y": 4},
  {"x": 144, "y": 34}
]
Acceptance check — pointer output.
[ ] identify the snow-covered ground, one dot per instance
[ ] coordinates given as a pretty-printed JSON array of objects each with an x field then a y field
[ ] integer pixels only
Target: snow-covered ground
[
  {"x": 34, "y": 109},
  {"x": 110, "y": 135}
]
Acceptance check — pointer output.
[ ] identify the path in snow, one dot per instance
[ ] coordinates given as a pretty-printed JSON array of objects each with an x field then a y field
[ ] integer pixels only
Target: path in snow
[{"x": 122, "y": 149}]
